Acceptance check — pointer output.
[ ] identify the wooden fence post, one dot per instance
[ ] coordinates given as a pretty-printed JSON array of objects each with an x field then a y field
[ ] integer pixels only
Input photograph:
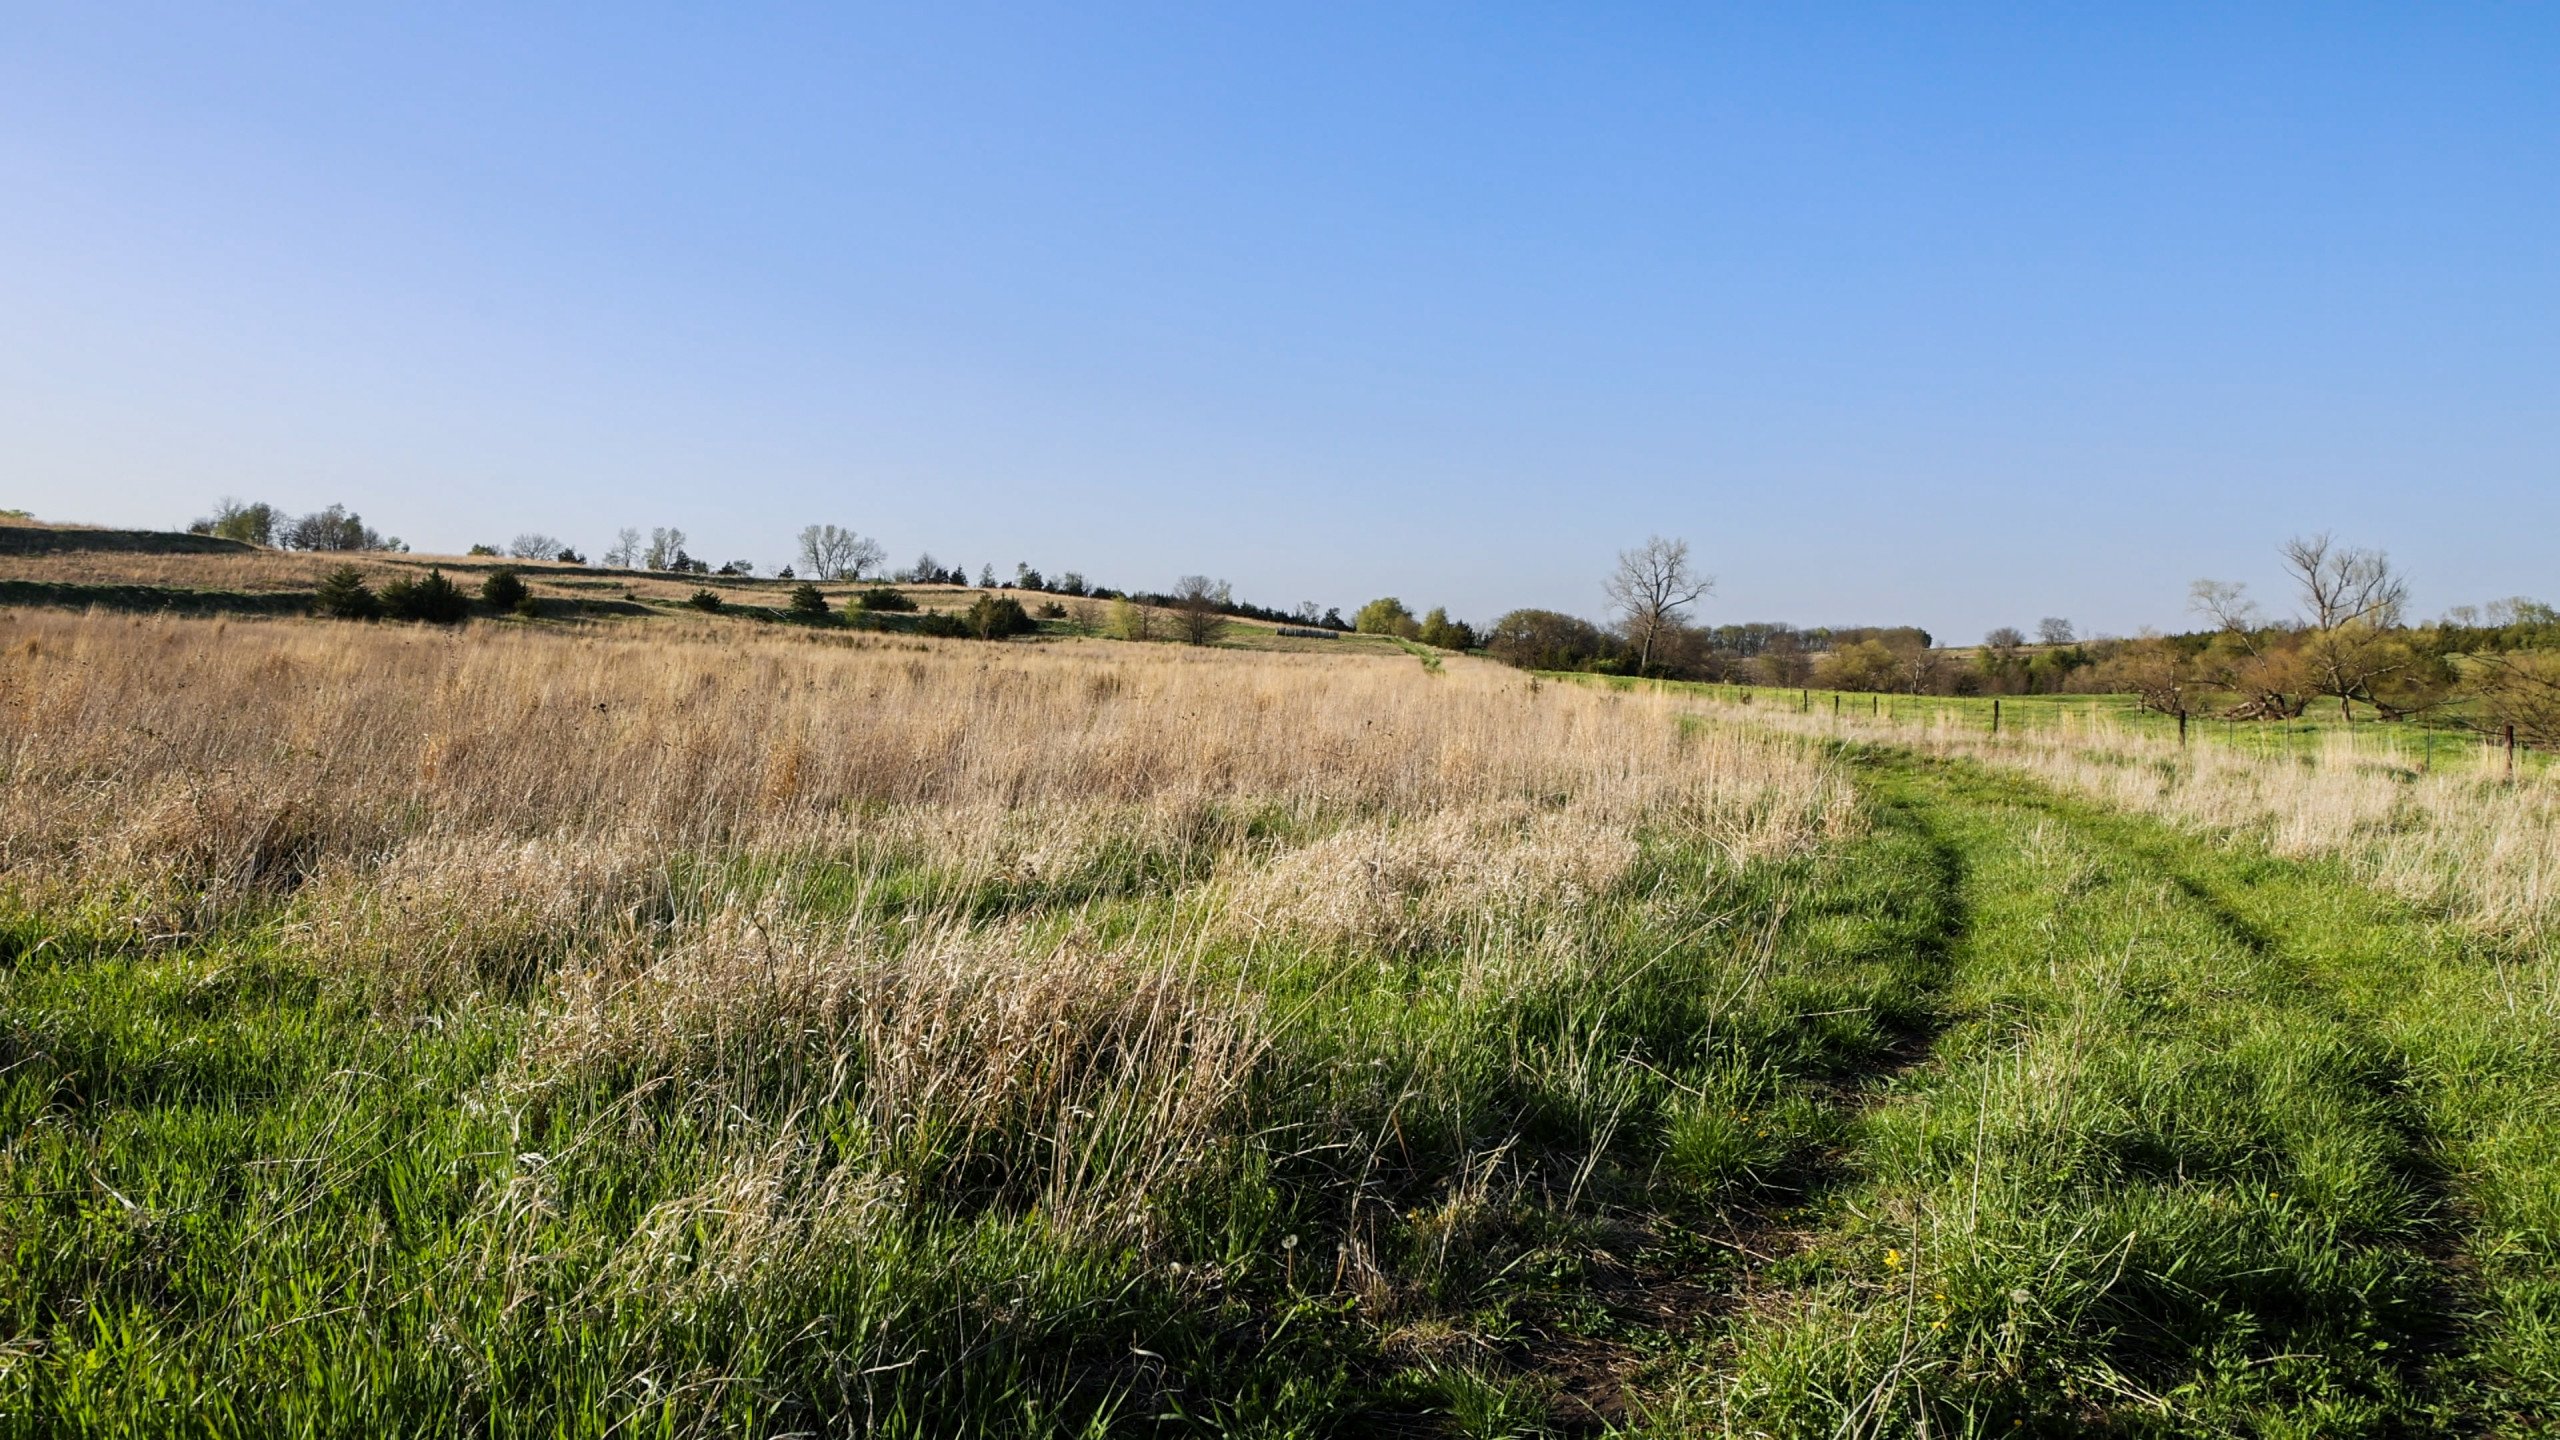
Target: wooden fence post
[
  {"x": 1995, "y": 715},
  {"x": 2511, "y": 754},
  {"x": 2182, "y": 727}
]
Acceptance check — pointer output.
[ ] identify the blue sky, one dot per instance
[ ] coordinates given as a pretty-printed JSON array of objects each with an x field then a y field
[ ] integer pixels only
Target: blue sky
[{"x": 1947, "y": 315}]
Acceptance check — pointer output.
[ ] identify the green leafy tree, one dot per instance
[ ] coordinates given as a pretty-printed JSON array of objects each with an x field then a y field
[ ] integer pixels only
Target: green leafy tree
[
  {"x": 1444, "y": 633},
  {"x": 252, "y": 523},
  {"x": 1546, "y": 640},
  {"x": 1386, "y": 616},
  {"x": 1131, "y": 620}
]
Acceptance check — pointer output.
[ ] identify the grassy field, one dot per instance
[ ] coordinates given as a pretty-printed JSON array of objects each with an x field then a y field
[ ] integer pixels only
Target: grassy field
[
  {"x": 2415, "y": 744},
  {"x": 703, "y": 1028},
  {"x": 154, "y": 572}
]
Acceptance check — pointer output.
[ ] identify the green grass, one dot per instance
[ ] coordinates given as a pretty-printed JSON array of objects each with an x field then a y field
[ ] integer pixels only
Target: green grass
[
  {"x": 2440, "y": 741},
  {"x": 2008, "y": 1116},
  {"x": 2212, "y": 1144},
  {"x": 245, "y": 1196}
]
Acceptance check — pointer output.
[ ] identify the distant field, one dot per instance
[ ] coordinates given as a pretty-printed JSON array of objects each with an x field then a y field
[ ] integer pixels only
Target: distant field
[
  {"x": 74, "y": 567},
  {"x": 2442, "y": 738}
]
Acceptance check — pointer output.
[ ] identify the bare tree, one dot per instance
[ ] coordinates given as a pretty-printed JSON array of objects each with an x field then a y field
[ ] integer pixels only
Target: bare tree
[
  {"x": 2005, "y": 638},
  {"x": 2261, "y": 664},
  {"x": 626, "y": 549},
  {"x": 1652, "y": 585},
  {"x": 1196, "y": 599},
  {"x": 335, "y": 528},
  {"x": 830, "y": 552},
  {"x": 2352, "y": 601},
  {"x": 2522, "y": 689},
  {"x": 2155, "y": 673},
  {"x": 534, "y": 546},
  {"x": 2344, "y": 585},
  {"x": 665, "y": 544},
  {"x": 2055, "y": 630}
]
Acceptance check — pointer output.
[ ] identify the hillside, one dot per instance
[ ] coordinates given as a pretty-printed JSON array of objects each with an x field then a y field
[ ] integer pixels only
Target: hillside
[{"x": 80, "y": 567}]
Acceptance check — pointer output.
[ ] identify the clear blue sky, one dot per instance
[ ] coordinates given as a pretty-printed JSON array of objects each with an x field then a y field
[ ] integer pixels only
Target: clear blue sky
[{"x": 1955, "y": 316}]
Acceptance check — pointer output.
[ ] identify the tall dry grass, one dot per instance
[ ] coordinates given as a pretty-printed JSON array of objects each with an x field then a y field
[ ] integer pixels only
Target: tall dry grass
[
  {"x": 201, "y": 757},
  {"x": 759, "y": 868},
  {"x": 272, "y": 571}
]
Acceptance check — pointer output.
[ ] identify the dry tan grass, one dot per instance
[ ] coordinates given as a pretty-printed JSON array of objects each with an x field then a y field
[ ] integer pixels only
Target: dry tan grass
[
  {"x": 747, "y": 870},
  {"x": 268, "y": 571},
  {"x": 459, "y": 803}
]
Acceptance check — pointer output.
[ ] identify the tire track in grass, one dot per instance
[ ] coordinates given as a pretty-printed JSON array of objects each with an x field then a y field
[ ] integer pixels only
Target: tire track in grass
[
  {"x": 1861, "y": 944},
  {"x": 2157, "y": 1177},
  {"x": 2477, "y": 1077}
]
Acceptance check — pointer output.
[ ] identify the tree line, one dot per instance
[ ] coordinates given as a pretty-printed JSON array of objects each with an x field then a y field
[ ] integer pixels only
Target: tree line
[
  {"x": 258, "y": 523},
  {"x": 2346, "y": 641}
]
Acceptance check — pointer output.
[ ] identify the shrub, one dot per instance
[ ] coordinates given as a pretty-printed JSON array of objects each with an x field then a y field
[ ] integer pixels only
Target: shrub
[
  {"x": 504, "y": 591},
  {"x": 343, "y": 595},
  {"x": 809, "y": 603},
  {"x": 706, "y": 601},
  {"x": 529, "y": 608},
  {"x": 995, "y": 617},
  {"x": 881, "y": 597},
  {"x": 432, "y": 599},
  {"x": 1053, "y": 611},
  {"x": 478, "y": 550},
  {"x": 1545, "y": 640},
  {"x": 948, "y": 627}
]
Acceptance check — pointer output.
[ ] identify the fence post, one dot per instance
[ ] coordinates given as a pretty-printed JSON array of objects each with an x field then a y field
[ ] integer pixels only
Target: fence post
[
  {"x": 2511, "y": 754},
  {"x": 1995, "y": 715},
  {"x": 2182, "y": 727}
]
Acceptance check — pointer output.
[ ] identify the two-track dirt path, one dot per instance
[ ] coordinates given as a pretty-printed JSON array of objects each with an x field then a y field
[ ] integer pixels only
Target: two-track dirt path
[{"x": 2192, "y": 1143}]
